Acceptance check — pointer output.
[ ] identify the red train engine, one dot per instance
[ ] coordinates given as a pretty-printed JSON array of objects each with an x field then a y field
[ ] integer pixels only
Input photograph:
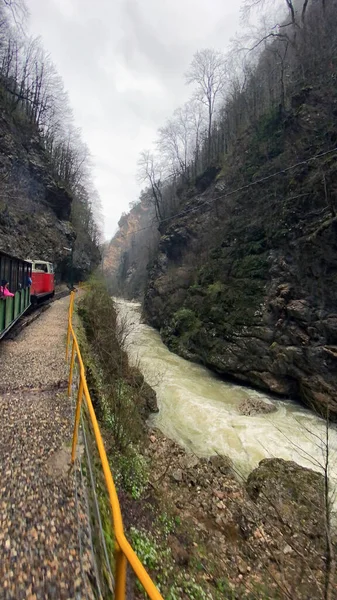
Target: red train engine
[{"x": 43, "y": 283}]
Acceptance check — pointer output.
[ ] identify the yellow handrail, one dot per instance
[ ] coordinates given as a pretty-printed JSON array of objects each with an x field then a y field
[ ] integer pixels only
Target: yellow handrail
[{"x": 123, "y": 552}]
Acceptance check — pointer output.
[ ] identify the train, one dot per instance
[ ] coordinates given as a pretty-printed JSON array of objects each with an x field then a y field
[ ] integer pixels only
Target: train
[
  {"x": 43, "y": 281},
  {"x": 31, "y": 281}
]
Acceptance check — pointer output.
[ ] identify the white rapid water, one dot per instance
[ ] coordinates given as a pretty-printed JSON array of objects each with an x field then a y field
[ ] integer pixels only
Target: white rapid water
[{"x": 199, "y": 411}]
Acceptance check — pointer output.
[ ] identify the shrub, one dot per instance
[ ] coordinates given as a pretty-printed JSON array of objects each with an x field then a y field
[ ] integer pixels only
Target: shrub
[
  {"x": 145, "y": 548},
  {"x": 214, "y": 290},
  {"x": 131, "y": 472},
  {"x": 109, "y": 372},
  {"x": 185, "y": 321}
]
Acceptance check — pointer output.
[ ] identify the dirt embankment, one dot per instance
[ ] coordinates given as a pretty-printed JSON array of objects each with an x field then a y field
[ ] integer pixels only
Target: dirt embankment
[{"x": 260, "y": 539}]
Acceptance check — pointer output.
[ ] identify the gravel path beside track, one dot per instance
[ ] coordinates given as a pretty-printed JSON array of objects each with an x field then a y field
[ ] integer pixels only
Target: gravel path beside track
[
  {"x": 39, "y": 516},
  {"x": 36, "y": 357}
]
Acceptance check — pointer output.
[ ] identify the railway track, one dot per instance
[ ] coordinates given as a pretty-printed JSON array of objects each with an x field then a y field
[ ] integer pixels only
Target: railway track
[{"x": 33, "y": 313}]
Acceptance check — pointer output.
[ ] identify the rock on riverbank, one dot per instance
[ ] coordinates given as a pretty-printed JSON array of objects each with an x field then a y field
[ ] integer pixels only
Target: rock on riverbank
[{"x": 262, "y": 532}]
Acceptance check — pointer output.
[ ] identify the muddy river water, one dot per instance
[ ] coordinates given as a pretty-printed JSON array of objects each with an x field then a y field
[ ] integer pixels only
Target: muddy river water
[{"x": 200, "y": 411}]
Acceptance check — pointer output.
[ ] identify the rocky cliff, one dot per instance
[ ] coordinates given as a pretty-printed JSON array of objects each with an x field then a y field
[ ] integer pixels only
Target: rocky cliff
[
  {"x": 35, "y": 209},
  {"x": 245, "y": 280},
  {"x": 126, "y": 256}
]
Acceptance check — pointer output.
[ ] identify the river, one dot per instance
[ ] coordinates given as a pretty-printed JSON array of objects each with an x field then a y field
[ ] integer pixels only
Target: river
[{"x": 198, "y": 410}]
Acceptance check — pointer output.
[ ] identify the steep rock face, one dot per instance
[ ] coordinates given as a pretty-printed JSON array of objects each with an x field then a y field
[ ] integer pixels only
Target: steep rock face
[
  {"x": 34, "y": 208},
  {"x": 126, "y": 256},
  {"x": 246, "y": 282}
]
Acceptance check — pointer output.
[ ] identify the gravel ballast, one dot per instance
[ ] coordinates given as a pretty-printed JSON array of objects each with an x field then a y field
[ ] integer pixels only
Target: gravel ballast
[{"x": 40, "y": 514}]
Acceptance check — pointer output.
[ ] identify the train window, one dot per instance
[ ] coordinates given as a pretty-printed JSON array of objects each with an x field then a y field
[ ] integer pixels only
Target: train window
[
  {"x": 12, "y": 278},
  {"x": 7, "y": 269},
  {"x": 40, "y": 267},
  {"x": 20, "y": 274},
  {"x": 15, "y": 275},
  {"x": 15, "y": 271}
]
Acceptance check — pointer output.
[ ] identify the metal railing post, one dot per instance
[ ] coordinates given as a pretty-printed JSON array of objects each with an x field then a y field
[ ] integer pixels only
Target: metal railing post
[
  {"x": 68, "y": 337},
  {"x": 70, "y": 316},
  {"x": 77, "y": 419},
  {"x": 120, "y": 573},
  {"x": 72, "y": 301},
  {"x": 71, "y": 370}
]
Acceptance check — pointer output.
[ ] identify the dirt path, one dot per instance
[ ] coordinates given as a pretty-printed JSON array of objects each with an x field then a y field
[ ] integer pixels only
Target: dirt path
[{"x": 40, "y": 556}]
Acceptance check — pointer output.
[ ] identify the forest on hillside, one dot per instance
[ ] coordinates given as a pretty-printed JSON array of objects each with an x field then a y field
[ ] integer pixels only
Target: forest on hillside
[
  {"x": 285, "y": 49},
  {"x": 285, "y": 46},
  {"x": 37, "y": 115}
]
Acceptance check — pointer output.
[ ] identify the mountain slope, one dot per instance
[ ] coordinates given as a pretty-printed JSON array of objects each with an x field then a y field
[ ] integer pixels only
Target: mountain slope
[
  {"x": 246, "y": 282},
  {"x": 36, "y": 219},
  {"x": 244, "y": 274}
]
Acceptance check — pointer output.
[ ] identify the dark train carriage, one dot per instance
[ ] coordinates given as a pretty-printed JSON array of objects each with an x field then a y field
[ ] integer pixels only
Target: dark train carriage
[{"x": 17, "y": 272}]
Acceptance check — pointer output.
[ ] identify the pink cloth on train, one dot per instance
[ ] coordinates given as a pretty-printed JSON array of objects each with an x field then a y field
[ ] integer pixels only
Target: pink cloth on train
[{"x": 5, "y": 292}]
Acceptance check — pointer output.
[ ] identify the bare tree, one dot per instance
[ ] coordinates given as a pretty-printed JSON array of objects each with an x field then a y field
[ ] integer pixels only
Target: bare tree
[
  {"x": 208, "y": 72},
  {"x": 177, "y": 138},
  {"x": 172, "y": 145},
  {"x": 329, "y": 497},
  {"x": 33, "y": 94},
  {"x": 151, "y": 173},
  {"x": 18, "y": 11},
  {"x": 196, "y": 118},
  {"x": 296, "y": 10}
]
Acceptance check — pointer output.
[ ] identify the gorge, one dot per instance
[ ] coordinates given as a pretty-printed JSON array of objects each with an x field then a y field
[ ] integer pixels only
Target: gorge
[{"x": 238, "y": 269}]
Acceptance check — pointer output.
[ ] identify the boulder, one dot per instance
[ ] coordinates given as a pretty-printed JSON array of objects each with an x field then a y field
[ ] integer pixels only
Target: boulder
[
  {"x": 177, "y": 475},
  {"x": 190, "y": 461},
  {"x": 255, "y": 406},
  {"x": 223, "y": 464},
  {"x": 299, "y": 310},
  {"x": 289, "y": 494}
]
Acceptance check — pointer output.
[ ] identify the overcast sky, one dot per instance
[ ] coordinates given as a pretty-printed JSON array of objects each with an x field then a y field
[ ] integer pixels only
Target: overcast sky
[{"x": 123, "y": 64}]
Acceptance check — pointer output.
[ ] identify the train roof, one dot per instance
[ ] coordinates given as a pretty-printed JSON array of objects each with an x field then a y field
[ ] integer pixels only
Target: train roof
[
  {"x": 26, "y": 260},
  {"x": 38, "y": 260}
]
